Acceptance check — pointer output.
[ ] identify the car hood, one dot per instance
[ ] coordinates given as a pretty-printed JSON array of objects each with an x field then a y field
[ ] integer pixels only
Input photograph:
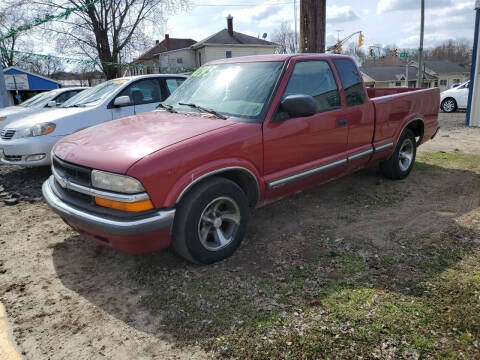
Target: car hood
[
  {"x": 45, "y": 115},
  {"x": 116, "y": 145},
  {"x": 11, "y": 110}
]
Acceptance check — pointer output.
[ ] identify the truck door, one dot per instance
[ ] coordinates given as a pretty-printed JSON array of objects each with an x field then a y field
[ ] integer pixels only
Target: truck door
[
  {"x": 303, "y": 151},
  {"x": 359, "y": 112}
]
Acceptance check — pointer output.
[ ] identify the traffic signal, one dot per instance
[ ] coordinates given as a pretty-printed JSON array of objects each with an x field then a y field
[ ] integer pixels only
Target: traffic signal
[
  {"x": 395, "y": 52},
  {"x": 360, "y": 40},
  {"x": 339, "y": 47},
  {"x": 370, "y": 52}
]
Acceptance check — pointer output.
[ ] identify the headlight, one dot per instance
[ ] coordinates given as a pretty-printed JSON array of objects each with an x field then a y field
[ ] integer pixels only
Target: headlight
[
  {"x": 37, "y": 130},
  {"x": 118, "y": 183},
  {"x": 3, "y": 118}
]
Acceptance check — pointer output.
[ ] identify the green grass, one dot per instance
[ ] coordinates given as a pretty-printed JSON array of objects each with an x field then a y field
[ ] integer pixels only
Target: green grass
[{"x": 428, "y": 161}]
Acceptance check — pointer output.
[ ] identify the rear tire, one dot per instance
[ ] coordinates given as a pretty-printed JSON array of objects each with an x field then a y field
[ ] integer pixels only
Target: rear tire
[
  {"x": 400, "y": 163},
  {"x": 449, "y": 105},
  {"x": 211, "y": 221}
]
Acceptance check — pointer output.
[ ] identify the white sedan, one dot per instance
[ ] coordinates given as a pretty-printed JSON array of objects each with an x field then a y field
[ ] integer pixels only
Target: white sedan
[
  {"x": 29, "y": 141},
  {"x": 39, "y": 102},
  {"x": 455, "y": 98}
]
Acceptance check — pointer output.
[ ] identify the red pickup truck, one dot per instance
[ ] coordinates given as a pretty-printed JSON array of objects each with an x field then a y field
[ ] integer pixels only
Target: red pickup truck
[{"x": 238, "y": 133}]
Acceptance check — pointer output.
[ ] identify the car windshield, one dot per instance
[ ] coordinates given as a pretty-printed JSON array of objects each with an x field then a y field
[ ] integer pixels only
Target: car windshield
[
  {"x": 40, "y": 99},
  {"x": 232, "y": 89},
  {"x": 94, "y": 95}
]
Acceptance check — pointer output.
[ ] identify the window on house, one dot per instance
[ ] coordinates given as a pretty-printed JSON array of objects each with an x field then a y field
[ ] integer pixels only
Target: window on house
[
  {"x": 228, "y": 54},
  {"x": 199, "y": 59},
  {"x": 436, "y": 83},
  {"x": 456, "y": 81},
  {"x": 351, "y": 82},
  {"x": 180, "y": 61},
  {"x": 443, "y": 82},
  {"x": 398, "y": 84},
  {"x": 315, "y": 78}
]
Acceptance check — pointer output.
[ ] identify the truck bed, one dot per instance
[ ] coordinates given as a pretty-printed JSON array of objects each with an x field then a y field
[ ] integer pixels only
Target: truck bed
[{"x": 396, "y": 107}]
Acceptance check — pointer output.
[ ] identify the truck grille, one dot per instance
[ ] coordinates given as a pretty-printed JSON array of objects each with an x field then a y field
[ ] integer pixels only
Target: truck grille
[
  {"x": 77, "y": 174},
  {"x": 12, "y": 157},
  {"x": 7, "y": 134}
]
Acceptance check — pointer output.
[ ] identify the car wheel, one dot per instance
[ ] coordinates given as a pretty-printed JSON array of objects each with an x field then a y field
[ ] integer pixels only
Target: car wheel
[
  {"x": 449, "y": 105},
  {"x": 211, "y": 221},
  {"x": 399, "y": 165}
]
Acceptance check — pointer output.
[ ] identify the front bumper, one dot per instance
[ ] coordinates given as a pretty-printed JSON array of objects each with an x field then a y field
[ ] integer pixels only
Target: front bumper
[
  {"x": 137, "y": 235},
  {"x": 16, "y": 151}
]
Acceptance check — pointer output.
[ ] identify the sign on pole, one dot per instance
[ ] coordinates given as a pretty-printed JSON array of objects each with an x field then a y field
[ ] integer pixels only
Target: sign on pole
[
  {"x": 404, "y": 54},
  {"x": 17, "y": 82}
]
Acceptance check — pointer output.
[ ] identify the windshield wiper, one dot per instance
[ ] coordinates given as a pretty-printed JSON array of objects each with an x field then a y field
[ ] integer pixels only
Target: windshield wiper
[
  {"x": 166, "y": 107},
  {"x": 204, "y": 109}
]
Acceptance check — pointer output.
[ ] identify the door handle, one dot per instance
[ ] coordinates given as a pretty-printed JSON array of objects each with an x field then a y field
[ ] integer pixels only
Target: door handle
[{"x": 342, "y": 122}]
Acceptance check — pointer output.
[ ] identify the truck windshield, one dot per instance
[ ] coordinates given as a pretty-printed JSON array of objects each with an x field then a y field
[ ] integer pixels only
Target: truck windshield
[
  {"x": 232, "y": 89},
  {"x": 94, "y": 95}
]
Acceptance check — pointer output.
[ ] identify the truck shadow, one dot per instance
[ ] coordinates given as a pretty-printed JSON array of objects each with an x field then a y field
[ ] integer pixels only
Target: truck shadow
[
  {"x": 22, "y": 182},
  {"x": 359, "y": 232}
]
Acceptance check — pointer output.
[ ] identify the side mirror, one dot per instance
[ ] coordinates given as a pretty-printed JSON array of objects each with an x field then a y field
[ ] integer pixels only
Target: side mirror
[
  {"x": 122, "y": 101},
  {"x": 52, "y": 103},
  {"x": 299, "y": 105}
]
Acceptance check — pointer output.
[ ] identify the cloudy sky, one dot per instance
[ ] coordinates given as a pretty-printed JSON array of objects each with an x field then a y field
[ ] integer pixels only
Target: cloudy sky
[{"x": 384, "y": 22}]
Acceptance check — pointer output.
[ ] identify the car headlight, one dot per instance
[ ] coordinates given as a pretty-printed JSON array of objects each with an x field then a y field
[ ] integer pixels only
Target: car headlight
[
  {"x": 114, "y": 182},
  {"x": 3, "y": 118},
  {"x": 37, "y": 130}
]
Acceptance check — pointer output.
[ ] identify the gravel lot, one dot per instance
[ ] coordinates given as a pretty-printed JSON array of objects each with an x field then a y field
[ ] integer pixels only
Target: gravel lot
[{"x": 322, "y": 272}]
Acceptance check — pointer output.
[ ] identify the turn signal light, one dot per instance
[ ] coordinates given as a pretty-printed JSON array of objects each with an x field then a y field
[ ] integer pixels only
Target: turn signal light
[{"x": 138, "y": 206}]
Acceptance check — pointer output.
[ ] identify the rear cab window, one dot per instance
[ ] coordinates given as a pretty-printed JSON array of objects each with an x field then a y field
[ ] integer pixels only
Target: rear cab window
[
  {"x": 351, "y": 82},
  {"x": 315, "y": 78}
]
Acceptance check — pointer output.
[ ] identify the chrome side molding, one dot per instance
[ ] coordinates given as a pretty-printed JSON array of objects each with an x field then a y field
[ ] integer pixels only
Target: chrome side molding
[{"x": 316, "y": 170}]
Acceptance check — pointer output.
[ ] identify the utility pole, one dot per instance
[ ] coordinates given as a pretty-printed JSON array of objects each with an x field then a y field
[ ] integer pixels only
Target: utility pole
[
  {"x": 295, "y": 23},
  {"x": 420, "y": 49},
  {"x": 4, "y": 102},
  {"x": 312, "y": 26}
]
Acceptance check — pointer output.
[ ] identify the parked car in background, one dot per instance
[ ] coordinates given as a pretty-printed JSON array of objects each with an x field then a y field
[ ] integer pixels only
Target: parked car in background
[
  {"x": 238, "y": 133},
  {"x": 29, "y": 141},
  {"x": 39, "y": 102},
  {"x": 453, "y": 99}
]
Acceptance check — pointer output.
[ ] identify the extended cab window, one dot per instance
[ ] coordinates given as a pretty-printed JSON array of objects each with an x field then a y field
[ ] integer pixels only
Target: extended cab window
[
  {"x": 351, "y": 81},
  {"x": 144, "y": 92},
  {"x": 314, "y": 78}
]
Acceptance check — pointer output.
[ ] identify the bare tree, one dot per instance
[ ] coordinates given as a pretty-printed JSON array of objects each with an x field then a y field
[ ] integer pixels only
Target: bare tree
[
  {"x": 12, "y": 17},
  {"x": 108, "y": 28},
  {"x": 43, "y": 66},
  {"x": 284, "y": 38},
  {"x": 457, "y": 51}
]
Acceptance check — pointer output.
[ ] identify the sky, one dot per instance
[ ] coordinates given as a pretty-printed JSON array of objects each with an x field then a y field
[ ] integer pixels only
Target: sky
[{"x": 385, "y": 22}]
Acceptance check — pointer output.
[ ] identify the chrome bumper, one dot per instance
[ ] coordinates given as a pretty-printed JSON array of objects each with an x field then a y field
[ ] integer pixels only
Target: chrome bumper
[{"x": 157, "y": 221}]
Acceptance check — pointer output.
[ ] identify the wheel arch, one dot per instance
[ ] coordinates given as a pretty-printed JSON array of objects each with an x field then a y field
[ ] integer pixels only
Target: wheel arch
[{"x": 242, "y": 176}]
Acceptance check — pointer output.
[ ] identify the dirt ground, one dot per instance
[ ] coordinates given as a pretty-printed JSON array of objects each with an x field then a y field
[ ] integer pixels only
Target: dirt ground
[{"x": 308, "y": 265}]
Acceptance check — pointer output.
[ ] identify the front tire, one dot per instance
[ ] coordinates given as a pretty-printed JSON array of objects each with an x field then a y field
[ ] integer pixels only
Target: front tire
[
  {"x": 211, "y": 221},
  {"x": 449, "y": 105},
  {"x": 400, "y": 163}
]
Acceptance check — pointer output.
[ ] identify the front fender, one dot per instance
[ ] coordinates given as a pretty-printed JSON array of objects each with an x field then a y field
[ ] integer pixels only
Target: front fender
[{"x": 194, "y": 176}]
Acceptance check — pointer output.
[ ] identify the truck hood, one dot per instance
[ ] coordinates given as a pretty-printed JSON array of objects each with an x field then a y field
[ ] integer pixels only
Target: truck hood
[
  {"x": 45, "y": 115},
  {"x": 116, "y": 145}
]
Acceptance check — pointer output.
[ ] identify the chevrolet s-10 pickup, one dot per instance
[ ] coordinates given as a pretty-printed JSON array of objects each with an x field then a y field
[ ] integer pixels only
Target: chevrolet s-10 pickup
[{"x": 238, "y": 133}]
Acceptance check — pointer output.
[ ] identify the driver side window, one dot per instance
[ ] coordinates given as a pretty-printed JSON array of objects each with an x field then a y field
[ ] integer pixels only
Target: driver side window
[
  {"x": 144, "y": 92},
  {"x": 314, "y": 78}
]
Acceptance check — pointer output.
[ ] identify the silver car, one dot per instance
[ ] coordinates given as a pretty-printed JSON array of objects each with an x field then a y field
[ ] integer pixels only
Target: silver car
[
  {"x": 29, "y": 141},
  {"x": 40, "y": 102}
]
